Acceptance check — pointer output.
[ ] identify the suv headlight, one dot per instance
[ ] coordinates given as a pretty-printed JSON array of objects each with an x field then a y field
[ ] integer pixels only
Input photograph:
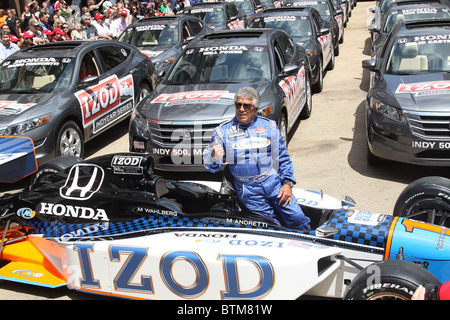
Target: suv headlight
[
  {"x": 139, "y": 121},
  {"x": 265, "y": 111},
  {"x": 163, "y": 63},
  {"x": 387, "y": 110},
  {"x": 23, "y": 127}
]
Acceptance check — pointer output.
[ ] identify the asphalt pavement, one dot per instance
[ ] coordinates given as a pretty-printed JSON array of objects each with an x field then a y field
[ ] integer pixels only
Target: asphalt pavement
[{"x": 328, "y": 149}]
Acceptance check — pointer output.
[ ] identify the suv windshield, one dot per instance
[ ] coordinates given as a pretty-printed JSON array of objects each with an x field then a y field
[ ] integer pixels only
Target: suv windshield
[
  {"x": 226, "y": 64},
  {"x": 322, "y": 6},
  {"x": 292, "y": 25},
  {"x": 427, "y": 53},
  {"x": 414, "y": 14},
  {"x": 35, "y": 75},
  {"x": 151, "y": 35},
  {"x": 208, "y": 15}
]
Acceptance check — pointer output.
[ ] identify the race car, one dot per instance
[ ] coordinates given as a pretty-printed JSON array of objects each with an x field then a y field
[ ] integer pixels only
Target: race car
[
  {"x": 406, "y": 11},
  {"x": 307, "y": 28},
  {"x": 63, "y": 94},
  {"x": 162, "y": 38},
  {"x": 218, "y": 15},
  {"x": 110, "y": 226},
  {"x": 407, "y": 112},
  {"x": 331, "y": 14},
  {"x": 176, "y": 122}
]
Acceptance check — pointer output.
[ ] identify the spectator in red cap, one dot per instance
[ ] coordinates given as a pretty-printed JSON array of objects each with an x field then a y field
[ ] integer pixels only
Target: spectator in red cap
[
  {"x": 58, "y": 34},
  {"x": 103, "y": 31},
  {"x": 27, "y": 40},
  {"x": 49, "y": 35},
  {"x": 120, "y": 24}
]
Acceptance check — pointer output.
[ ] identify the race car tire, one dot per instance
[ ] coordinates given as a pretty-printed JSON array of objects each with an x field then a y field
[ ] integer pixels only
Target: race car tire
[
  {"x": 318, "y": 86},
  {"x": 54, "y": 166},
  {"x": 390, "y": 280},
  {"x": 70, "y": 140},
  {"x": 307, "y": 108},
  {"x": 426, "y": 199}
]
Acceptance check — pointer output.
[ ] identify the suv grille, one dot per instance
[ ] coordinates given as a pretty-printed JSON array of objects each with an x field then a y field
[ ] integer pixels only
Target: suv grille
[
  {"x": 169, "y": 135},
  {"x": 429, "y": 125}
]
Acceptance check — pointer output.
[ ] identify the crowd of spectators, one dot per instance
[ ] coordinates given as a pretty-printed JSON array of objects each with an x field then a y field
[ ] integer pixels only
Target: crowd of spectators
[{"x": 46, "y": 21}]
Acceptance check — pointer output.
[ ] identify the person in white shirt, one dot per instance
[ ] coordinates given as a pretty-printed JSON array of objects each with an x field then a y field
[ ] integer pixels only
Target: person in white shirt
[
  {"x": 103, "y": 31},
  {"x": 119, "y": 24},
  {"x": 7, "y": 48}
]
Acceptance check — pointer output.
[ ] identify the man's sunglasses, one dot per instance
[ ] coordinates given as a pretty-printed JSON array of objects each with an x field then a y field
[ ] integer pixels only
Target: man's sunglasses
[{"x": 246, "y": 106}]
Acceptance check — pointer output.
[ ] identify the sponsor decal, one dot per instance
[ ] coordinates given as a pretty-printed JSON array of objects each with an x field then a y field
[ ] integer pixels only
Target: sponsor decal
[
  {"x": 127, "y": 165},
  {"x": 194, "y": 97},
  {"x": 151, "y": 27},
  {"x": 26, "y": 213},
  {"x": 151, "y": 54},
  {"x": 442, "y": 145},
  {"x": 425, "y": 88},
  {"x": 83, "y": 181},
  {"x": 28, "y": 273},
  {"x": 366, "y": 218},
  {"x": 251, "y": 143},
  {"x": 34, "y": 62},
  {"x": 294, "y": 87},
  {"x": 70, "y": 211},
  {"x": 106, "y": 102},
  {"x": 13, "y": 107}
]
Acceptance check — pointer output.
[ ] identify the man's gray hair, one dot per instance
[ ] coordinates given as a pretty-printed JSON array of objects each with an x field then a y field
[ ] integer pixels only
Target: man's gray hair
[{"x": 248, "y": 92}]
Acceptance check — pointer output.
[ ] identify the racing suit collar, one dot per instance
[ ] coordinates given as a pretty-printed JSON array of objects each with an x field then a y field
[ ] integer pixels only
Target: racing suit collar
[{"x": 242, "y": 125}]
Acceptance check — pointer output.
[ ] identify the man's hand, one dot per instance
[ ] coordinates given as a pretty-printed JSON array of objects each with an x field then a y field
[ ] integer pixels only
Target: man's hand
[
  {"x": 217, "y": 151},
  {"x": 285, "y": 195}
]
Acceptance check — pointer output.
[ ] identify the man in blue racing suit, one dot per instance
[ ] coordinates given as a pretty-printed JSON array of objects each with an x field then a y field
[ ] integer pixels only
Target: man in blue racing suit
[{"x": 258, "y": 160}]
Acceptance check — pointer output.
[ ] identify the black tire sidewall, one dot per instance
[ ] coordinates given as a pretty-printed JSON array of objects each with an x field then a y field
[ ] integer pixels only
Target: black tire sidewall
[
  {"x": 431, "y": 188},
  {"x": 394, "y": 278}
]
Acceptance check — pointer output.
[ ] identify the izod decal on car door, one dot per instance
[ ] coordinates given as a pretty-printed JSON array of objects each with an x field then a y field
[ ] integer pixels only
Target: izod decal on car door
[{"x": 106, "y": 102}]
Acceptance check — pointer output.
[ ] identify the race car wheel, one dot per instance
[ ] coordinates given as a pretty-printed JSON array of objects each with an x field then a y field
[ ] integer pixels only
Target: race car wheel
[
  {"x": 54, "y": 166},
  {"x": 390, "y": 280},
  {"x": 318, "y": 86},
  {"x": 70, "y": 140},
  {"x": 426, "y": 199},
  {"x": 307, "y": 108}
]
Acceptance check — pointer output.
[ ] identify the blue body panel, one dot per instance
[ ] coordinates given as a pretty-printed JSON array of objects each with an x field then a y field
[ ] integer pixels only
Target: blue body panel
[
  {"x": 423, "y": 243},
  {"x": 17, "y": 158}
]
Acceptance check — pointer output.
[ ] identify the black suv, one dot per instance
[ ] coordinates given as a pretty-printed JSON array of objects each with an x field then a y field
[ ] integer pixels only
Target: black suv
[
  {"x": 162, "y": 38},
  {"x": 407, "y": 113}
]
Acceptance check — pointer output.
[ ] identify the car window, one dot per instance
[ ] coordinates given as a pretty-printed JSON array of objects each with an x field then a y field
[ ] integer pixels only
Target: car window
[
  {"x": 151, "y": 35},
  {"x": 425, "y": 53},
  {"x": 42, "y": 74},
  {"x": 112, "y": 56},
  {"x": 196, "y": 26},
  {"x": 397, "y": 16},
  {"x": 286, "y": 46},
  {"x": 208, "y": 15},
  {"x": 224, "y": 64},
  {"x": 292, "y": 25},
  {"x": 322, "y": 6},
  {"x": 88, "y": 67}
]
